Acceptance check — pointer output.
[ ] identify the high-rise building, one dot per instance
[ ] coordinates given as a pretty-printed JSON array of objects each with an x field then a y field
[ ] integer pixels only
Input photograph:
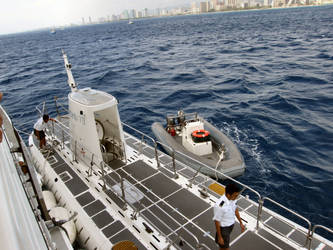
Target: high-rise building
[
  {"x": 132, "y": 14},
  {"x": 204, "y": 7},
  {"x": 139, "y": 14},
  {"x": 231, "y": 3},
  {"x": 145, "y": 12},
  {"x": 157, "y": 12},
  {"x": 214, "y": 4},
  {"x": 125, "y": 14},
  {"x": 194, "y": 8}
]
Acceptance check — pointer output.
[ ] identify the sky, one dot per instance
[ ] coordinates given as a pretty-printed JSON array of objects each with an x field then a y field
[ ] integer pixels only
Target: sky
[{"x": 24, "y": 15}]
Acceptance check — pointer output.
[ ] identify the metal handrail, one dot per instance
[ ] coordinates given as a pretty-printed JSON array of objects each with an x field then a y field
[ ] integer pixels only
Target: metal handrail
[
  {"x": 219, "y": 172},
  {"x": 313, "y": 231},
  {"x": 39, "y": 209},
  {"x": 127, "y": 203},
  {"x": 62, "y": 126},
  {"x": 260, "y": 199},
  {"x": 202, "y": 165},
  {"x": 162, "y": 222},
  {"x": 294, "y": 213},
  {"x": 121, "y": 184}
]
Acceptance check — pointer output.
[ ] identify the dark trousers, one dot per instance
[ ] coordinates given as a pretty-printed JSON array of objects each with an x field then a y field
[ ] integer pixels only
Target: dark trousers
[{"x": 225, "y": 231}]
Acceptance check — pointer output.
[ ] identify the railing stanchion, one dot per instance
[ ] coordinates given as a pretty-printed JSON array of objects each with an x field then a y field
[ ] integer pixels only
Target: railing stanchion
[
  {"x": 141, "y": 145},
  {"x": 314, "y": 229},
  {"x": 190, "y": 182},
  {"x": 156, "y": 155},
  {"x": 261, "y": 204},
  {"x": 294, "y": 213},
  {"x": 103, "y": 175},
  {"x": 174, "y": 164},
  {"x": 91, "y": 165},
  {"x": 56, "y": 104},
  {"x": 63, "y": 139},
  {"x": 75, "y": 149},
  {"x": 123, "y": 192}
]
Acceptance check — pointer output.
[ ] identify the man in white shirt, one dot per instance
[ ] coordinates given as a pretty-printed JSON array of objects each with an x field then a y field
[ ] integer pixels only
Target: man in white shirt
[
  {"x": 39, "y": 128},
  {"x": 225, "y": 210}
]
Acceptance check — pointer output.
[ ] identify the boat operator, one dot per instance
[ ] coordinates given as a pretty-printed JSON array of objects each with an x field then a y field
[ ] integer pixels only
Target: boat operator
[
  {"x": 39, "y": 128},
  {"x": 225, "y": 210}
]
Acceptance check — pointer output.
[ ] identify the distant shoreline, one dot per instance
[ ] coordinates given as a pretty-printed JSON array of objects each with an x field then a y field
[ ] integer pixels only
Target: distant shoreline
[{"x": 150, "y": 17}]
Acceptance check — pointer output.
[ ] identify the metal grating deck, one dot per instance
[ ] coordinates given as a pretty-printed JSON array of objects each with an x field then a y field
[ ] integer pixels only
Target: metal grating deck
[{"x": 168, "y": 206}]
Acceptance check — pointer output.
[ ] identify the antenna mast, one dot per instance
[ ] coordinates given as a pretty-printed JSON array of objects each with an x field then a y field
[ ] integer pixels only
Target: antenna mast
[{"x": 68, "y": 67}]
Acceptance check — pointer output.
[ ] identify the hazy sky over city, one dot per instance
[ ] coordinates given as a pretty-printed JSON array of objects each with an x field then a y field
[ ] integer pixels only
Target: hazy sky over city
[{"x": 22, "y": 15}]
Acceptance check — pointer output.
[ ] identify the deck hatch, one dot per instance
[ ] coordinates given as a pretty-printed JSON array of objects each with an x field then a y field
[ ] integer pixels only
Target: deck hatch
[
  {"x": 85, "y": 198},
  {"x": 139, "y": 170},
  {"x": 102, "y": 219},
  {"x": 201, "y": 221},
  {"x": 65, "y": 176},
  {"x": 59, "y": 160},
  {"x": 202, "y": 237},
  {"x": 132, "y": 194},
  {"x": 112, "y": 229},
  {"x": 253, "y": 210},
  {"x": 115, "y": 198},
  {"x": 52, "y": 160},
  {"x": 250, "y": 240},
  {"x": 130, "y": 141},
  {"x": 161, "y": 185},
  {"x": 94, "y": 208},
  {"x": 60, "y": 168},
  {"x": 150, "y": 152},
  {"x": 147, "y": 192},
  {"x": 76, "y": 185},
  {"x": 164, "y": 217},
  {"x": 165, "y": 159},
  {"x": 274, "y": 240},
  {"x": 279, "y": 226},
  {"x": 150, "y": 215},
  {"x": 300, "y": 238},
  {"x": 243, "y": 203},
  {"x": 187, "y": 203}
]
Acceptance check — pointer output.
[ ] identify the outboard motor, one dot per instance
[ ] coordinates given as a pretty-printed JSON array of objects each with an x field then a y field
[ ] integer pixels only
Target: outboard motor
[
  {"x": 171, "y": 122},
  {"x": 181, "y": 118}
]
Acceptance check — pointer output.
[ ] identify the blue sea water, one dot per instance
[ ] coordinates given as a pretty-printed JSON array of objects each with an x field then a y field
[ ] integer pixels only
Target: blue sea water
[{"x": 265, "y": 78}]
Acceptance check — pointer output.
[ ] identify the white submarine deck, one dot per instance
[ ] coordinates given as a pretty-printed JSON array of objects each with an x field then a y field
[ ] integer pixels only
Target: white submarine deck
[{"x": 168, "y": 205}]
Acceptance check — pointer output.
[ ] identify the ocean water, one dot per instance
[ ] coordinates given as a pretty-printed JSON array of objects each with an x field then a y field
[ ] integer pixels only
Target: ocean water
[{"x": 265, "y": 78}]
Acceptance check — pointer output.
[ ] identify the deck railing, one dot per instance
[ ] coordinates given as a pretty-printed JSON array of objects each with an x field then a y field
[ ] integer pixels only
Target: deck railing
[
  {"x": 294, "y": 213},
  {"x": 89, "y": 158},
  {"x": 313, "y": 231}
]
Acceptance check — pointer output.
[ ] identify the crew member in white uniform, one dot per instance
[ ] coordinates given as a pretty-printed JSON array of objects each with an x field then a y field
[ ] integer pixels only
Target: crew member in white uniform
[
  {"x": 225, "y": 210},
  {"x": 39, "y": 128}
]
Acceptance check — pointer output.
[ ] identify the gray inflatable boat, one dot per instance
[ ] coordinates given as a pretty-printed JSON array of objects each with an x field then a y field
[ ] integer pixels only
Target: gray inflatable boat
[{"x": 195, "y": 138}]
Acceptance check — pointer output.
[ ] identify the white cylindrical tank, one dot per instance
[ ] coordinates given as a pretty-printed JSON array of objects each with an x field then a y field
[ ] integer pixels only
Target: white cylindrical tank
[
  {"x": 61, "y": 214},
  {"x": 50, "y": 201}
]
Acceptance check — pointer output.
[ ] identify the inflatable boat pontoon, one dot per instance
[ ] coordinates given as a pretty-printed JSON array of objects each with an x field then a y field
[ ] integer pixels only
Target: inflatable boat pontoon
[{"x": 197, "y": 139}]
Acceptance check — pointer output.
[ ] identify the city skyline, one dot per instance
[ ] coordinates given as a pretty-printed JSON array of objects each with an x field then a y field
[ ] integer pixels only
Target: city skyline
[
  {"x": 24, "y": 15},
  {"x": 45, "y": 14},
  {"x": 199, "y": 7}
]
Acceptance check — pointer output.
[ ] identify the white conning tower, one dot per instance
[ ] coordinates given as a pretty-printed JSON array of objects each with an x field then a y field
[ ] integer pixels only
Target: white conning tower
[{"x": 95, "y": 124}]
